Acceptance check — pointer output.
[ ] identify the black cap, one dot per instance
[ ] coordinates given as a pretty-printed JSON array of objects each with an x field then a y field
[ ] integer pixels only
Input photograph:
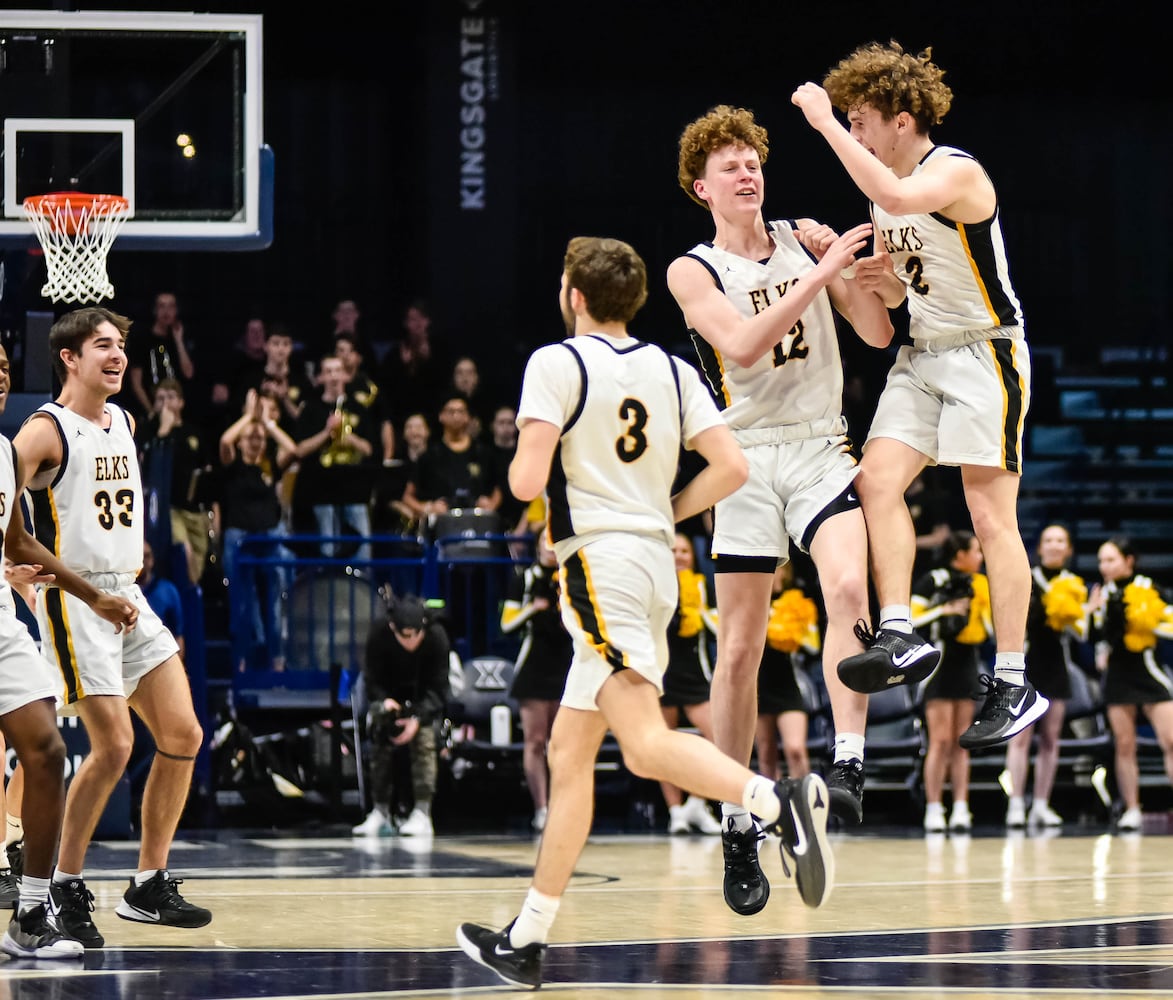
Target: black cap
[{"x": 409, "y": 612}]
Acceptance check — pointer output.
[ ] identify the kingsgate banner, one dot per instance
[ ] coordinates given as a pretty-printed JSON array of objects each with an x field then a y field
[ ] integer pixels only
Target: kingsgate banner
[{"x": 473, "y": 156}]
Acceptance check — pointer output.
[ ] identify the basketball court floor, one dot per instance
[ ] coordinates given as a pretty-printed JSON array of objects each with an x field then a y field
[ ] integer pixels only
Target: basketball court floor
[{"x": 1084, "y": 913}]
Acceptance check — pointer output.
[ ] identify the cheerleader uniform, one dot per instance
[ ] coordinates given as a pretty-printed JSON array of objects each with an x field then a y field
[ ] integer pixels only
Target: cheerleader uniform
[
  {"x": 793, "y": 627},
  {"x": 690, "y": 672},
  {"x": 959, "y": 638},
  {"x": 1054, "y": 619},
  {"x": 546, "y": 648},
  {"x": 1134, "y": 615}
]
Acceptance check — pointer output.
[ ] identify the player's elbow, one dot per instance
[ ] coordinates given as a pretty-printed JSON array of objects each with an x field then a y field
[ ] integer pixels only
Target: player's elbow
[{"x": 526, "y": 484}]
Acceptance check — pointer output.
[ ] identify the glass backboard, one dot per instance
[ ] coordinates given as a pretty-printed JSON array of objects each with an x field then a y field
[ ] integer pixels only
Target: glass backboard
[{"x": 164, "y": 109}]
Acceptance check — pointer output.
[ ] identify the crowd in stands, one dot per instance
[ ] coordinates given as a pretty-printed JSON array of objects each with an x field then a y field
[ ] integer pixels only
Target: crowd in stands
[{"x": 357, "y": 434}]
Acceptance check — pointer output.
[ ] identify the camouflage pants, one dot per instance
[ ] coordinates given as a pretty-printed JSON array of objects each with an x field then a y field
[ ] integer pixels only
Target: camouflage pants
[{"x": 425, "y": 763}]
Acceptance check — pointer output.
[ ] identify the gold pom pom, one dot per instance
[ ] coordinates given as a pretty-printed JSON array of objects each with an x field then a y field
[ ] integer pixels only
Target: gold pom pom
[
  {"x": 1063, "y": 602},
  {"x": 1143, "y": 611},
  {"x": 791, "y": 616}
]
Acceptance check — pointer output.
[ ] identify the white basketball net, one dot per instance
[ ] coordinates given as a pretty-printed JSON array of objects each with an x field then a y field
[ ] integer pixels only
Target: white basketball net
[{"x": 76, "y": 235}]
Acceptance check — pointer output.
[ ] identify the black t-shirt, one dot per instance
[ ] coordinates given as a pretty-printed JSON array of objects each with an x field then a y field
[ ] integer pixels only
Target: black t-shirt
[
  {"x": 248, "y": 497},
  {"x": 181, "y": 452},
  {"x": 157, "y": 358},
  {"x": 336, "y": 473},
  {"x": 458, "y": 477}
]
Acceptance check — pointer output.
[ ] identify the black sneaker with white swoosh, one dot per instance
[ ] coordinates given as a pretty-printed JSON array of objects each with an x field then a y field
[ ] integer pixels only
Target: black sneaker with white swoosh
[
  {"x": 517, "y": 966},
  {"x": 802, "y": 830},
  {"x": 1007, "y": 710},
  {"x": 70, "y": 906},
  {"x": 157, "y": 901},
  {"x": 889, "y": 658}
]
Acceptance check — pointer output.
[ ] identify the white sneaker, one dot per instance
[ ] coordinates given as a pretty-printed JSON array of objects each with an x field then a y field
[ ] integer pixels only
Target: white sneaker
[
  {"x": 677, "y": 821},
  {"x": 696, "y": 812},
  {"x": 375, "y": 825},
  {"x": 1042, "y": 814},
  {"x": 1130, "y": 820},
  {"x": 935, "y": 818},
  {"x": 418, "y": 824},
  {"x": 1016, "y": 813},
  {"x": 539, "y": 820},
  {"x": 961, "y": 819}
]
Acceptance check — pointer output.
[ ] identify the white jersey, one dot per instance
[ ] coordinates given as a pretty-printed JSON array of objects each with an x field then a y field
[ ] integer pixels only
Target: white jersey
[
  {"x": 956, "y": 273},
  {"x": 91, "y": 515},
  {"x": 624, "y": 407},
  {"x": 801, "y": 379}
]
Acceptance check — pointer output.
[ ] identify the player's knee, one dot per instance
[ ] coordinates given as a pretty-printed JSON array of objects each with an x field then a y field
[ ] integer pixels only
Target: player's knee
[
  {"x": 44, "y": 755},
  {"x": 181, "y": 742}
]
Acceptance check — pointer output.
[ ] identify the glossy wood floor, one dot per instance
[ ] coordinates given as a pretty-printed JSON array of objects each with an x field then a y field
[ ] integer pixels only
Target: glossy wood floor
[{"x": 1082, "y": 914}]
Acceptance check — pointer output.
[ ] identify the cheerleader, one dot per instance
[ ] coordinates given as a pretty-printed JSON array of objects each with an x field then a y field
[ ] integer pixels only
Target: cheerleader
[
  {"x": 543, "y": 661},
  {"x": 1057, "y": 617},
  {"x": 792, "y": 633},
  {"x": 1129, "y": 614},
  {"x": 951, "y": 608},
  {"x": 687, "y": 680}
]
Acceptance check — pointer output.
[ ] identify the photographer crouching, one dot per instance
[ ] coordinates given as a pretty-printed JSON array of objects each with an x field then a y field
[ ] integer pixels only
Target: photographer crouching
[{"x": 406, "y": 674}]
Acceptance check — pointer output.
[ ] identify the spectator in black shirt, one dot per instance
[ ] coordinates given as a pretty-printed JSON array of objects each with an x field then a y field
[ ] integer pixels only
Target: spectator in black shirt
[
  {"x": 457, "y": 471},
  {"x": 406, "y": 675},
  {"x": 162, "y": 352},
  {"x": 254, "y": 452},
  {"x": 174, "y": 465}
]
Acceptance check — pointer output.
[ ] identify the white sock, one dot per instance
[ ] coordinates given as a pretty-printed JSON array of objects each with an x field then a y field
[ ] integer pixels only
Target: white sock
[
  {"x": 742, "y": 820},
  {"x": 60, "y": 877},
  {"x": 760, "y": 799},
  {"x": 848, "y": 746},
  {"x": 534, "y": 921},
  {"x": 15, "y": 830},
  {"x": 896, "y": 618},
  {"x": 143, "y": 877},
  {"x": 33, "y": 892},
  {"x": 1011, "y": 668},
  {"x": 4, "y": 862}
]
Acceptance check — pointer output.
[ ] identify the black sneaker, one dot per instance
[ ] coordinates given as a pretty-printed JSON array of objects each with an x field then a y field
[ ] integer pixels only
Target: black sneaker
[
  {"x": 9, "y": 888},
  {"x": 16, "y": 857},
  {"x": 1006, "y": 712},
  {"x": 157, "y": 901},
  {"x": 802, "y": 829},
  {"x": 746, "y": 887},
  {"x": 845, "y": 786},
  {"x": 517, "y": 966},
  {"x": 890, "y": 658},
  {"x": 70, "y": 905},
  {"x": 33, "y": 934}
]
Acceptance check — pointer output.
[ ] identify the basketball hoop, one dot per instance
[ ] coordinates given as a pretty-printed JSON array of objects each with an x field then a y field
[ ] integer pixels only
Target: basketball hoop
[{"x": 76, "y": 232}]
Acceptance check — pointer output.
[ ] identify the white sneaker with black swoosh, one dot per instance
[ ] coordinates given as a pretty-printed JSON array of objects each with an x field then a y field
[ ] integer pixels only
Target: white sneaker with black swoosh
[
  {"x": 1007, "y": 710},
  {"x": 802, "y": 832},
  {"x": 517, "y": 966}
]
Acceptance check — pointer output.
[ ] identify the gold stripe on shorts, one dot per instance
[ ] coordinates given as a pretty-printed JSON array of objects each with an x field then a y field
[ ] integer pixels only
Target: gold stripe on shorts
[
  {"x": 62, "y": 641},
  {"x": 1013, "y": 402},
  {"x": 580, "y": 589}
]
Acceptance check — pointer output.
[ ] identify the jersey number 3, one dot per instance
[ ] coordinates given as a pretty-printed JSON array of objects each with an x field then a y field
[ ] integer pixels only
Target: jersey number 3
[
  {"x": 632, "y": 443},
  {"x": 120, "y": 507}
]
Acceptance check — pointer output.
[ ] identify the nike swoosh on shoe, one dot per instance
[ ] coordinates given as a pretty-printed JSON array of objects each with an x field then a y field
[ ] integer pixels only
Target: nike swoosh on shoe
[
  {"x": 908, "y": 654},
  {"x": 801, "y": 844},
  {"x": 152, "y": 915}
]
